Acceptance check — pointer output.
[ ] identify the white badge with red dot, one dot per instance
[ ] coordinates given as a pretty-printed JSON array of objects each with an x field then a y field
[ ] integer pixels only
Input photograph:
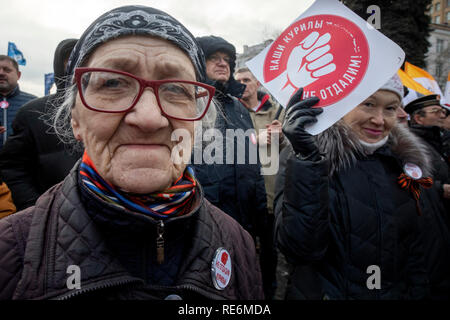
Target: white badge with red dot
[
  {"x": 221, "y": 269},
  {"x": 412, "y": 170},
  {"x": 4, "y": 104}
]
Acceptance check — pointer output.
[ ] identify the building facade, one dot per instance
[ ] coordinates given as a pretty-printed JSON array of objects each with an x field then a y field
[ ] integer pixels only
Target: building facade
[
  {"x": 440, "y": 12},
  {"x": 438, "y": 55},
  {"x": 250, "y": 52}
]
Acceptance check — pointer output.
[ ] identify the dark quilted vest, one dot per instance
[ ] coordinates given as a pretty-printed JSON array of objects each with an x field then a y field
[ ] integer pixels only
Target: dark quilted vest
[{"x": 62, "y": 234}]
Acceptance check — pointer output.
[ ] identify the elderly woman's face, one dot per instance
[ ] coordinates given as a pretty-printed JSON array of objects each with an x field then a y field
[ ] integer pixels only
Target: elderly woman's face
[
  {"x": 374, "y": 118},
  {"x": 132, "y": 150}
]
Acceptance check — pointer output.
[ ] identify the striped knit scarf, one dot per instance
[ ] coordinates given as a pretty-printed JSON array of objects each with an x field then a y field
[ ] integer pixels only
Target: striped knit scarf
[{"x": 175, "y": 201}]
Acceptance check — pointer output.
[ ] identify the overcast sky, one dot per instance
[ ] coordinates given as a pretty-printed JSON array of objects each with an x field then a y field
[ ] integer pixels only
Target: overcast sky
[{"x": 36, "y": 27}]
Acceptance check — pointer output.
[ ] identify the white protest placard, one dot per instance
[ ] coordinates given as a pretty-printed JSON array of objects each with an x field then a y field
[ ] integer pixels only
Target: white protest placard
[{"x": 333, "y": 54}]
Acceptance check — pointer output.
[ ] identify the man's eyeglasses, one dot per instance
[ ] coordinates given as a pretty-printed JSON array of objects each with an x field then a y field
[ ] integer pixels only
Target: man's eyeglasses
[
  {"x": 217, "y": 58},
  {"x": 113, "y": 91},
  {"x": 437, "y": 111}
]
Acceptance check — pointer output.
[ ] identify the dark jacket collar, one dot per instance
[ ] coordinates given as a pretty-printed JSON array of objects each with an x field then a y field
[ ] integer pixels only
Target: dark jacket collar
[
  {"x": 13, "y": 93},
  {"x": 428, "y": 133},
  {"x": 231, "y": 87}
]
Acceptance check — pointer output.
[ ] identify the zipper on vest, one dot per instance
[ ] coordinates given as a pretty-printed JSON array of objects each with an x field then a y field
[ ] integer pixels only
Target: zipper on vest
[
  {"x": 105, "y": 285},
  {"x": 129, "y": 282},
  {"x": 160, "y": 242}
]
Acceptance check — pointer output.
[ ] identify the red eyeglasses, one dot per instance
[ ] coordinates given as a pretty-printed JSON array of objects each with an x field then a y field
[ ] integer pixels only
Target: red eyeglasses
[{"x": 113, "y": 91}]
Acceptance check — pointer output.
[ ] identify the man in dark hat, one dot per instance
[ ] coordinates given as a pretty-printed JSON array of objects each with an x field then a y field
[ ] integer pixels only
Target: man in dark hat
[
  {"x": 427, "y": 119},
  {"x": 237, "y": 188},
  {"x": 426, "y": 111},
  {"x": 220, "y": 63}
]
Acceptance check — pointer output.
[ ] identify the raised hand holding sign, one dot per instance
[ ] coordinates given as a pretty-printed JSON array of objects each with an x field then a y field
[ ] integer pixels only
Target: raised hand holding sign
[{"x": 332, "y": 54}]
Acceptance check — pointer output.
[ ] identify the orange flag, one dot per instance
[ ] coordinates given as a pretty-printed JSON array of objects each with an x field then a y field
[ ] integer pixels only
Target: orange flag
[{"x": 424, "y": 78}]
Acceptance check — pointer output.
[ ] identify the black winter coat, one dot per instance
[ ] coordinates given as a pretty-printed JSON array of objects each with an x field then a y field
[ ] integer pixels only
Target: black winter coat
[
  {"x": 434, "y": 137},
  {"x": 33, "y": 158},
  {"x": 237, "y": 188},
  {"x": 341, "y": 216},
  {"x": 439, "y": 218},
  {"x": 115, "y": 251},
  {"x": 446, "y": 144},
  {"x": 16, "y": 99}
]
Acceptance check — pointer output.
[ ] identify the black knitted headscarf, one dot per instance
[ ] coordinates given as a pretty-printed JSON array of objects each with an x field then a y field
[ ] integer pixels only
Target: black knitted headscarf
[{"x": 136, "y": 20}]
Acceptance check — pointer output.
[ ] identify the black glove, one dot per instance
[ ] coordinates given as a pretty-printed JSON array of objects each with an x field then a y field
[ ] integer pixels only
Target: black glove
[{"x": 298, "y": 114}]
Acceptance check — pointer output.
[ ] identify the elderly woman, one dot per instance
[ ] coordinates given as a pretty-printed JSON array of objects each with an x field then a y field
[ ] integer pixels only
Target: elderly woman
[
  {"x": 130, "y": 220},
  {"x": 351, "y": 203}
]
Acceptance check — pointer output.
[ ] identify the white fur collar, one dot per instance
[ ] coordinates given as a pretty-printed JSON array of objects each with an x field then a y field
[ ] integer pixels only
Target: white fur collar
[{"x": 341, "y": 146}]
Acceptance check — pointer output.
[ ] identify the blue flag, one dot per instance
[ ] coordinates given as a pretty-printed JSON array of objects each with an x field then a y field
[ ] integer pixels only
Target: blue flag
[
  {"x": 14, "y": 53},
  {"x": 49, "y": 81}
]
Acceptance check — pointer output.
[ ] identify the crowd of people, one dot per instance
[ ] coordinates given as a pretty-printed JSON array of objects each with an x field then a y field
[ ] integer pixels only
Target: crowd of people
[{"x": 91, "y": 178}]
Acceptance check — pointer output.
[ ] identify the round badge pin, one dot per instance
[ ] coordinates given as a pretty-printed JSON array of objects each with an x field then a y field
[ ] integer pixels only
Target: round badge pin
[
  {"x": 221, "y": 269},
  {"x": 412, "y": 170},
  {"x": 4, "y": 104}
]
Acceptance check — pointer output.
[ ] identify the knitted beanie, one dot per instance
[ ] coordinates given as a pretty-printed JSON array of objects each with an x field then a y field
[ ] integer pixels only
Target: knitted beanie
[{"x": 394, "y": 85}]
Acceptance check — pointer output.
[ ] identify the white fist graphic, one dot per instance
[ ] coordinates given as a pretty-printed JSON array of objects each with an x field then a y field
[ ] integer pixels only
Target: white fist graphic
[
  {"x": 307, "y": 63},
  {"x": 310, "y": 60}
]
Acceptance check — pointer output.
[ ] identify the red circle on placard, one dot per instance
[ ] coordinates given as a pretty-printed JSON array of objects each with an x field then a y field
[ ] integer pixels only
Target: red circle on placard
[{"x": 349, "y": 48}]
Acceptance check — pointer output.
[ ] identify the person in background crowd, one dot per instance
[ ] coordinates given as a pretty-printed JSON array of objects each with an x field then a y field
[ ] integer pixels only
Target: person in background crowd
[
  {"x": 435, "y": 226},
  {"x": 33, "y": 158},
  {"x": 446, "y": 134},
  {"x": 427, "y": 120},
  {"x": 130, "y": 215},
  {"x": 349, "y": 203},
  {"x": 220, "y": 64},
  {"x": 426, "y": 111},
  {"x": 236, "y": 188},
  {"x": 446, "y": 123},
  {"x": 267, "y": 117},
  {"x": 11, "y": 97},
  {"x": 402, "y": 116}
]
